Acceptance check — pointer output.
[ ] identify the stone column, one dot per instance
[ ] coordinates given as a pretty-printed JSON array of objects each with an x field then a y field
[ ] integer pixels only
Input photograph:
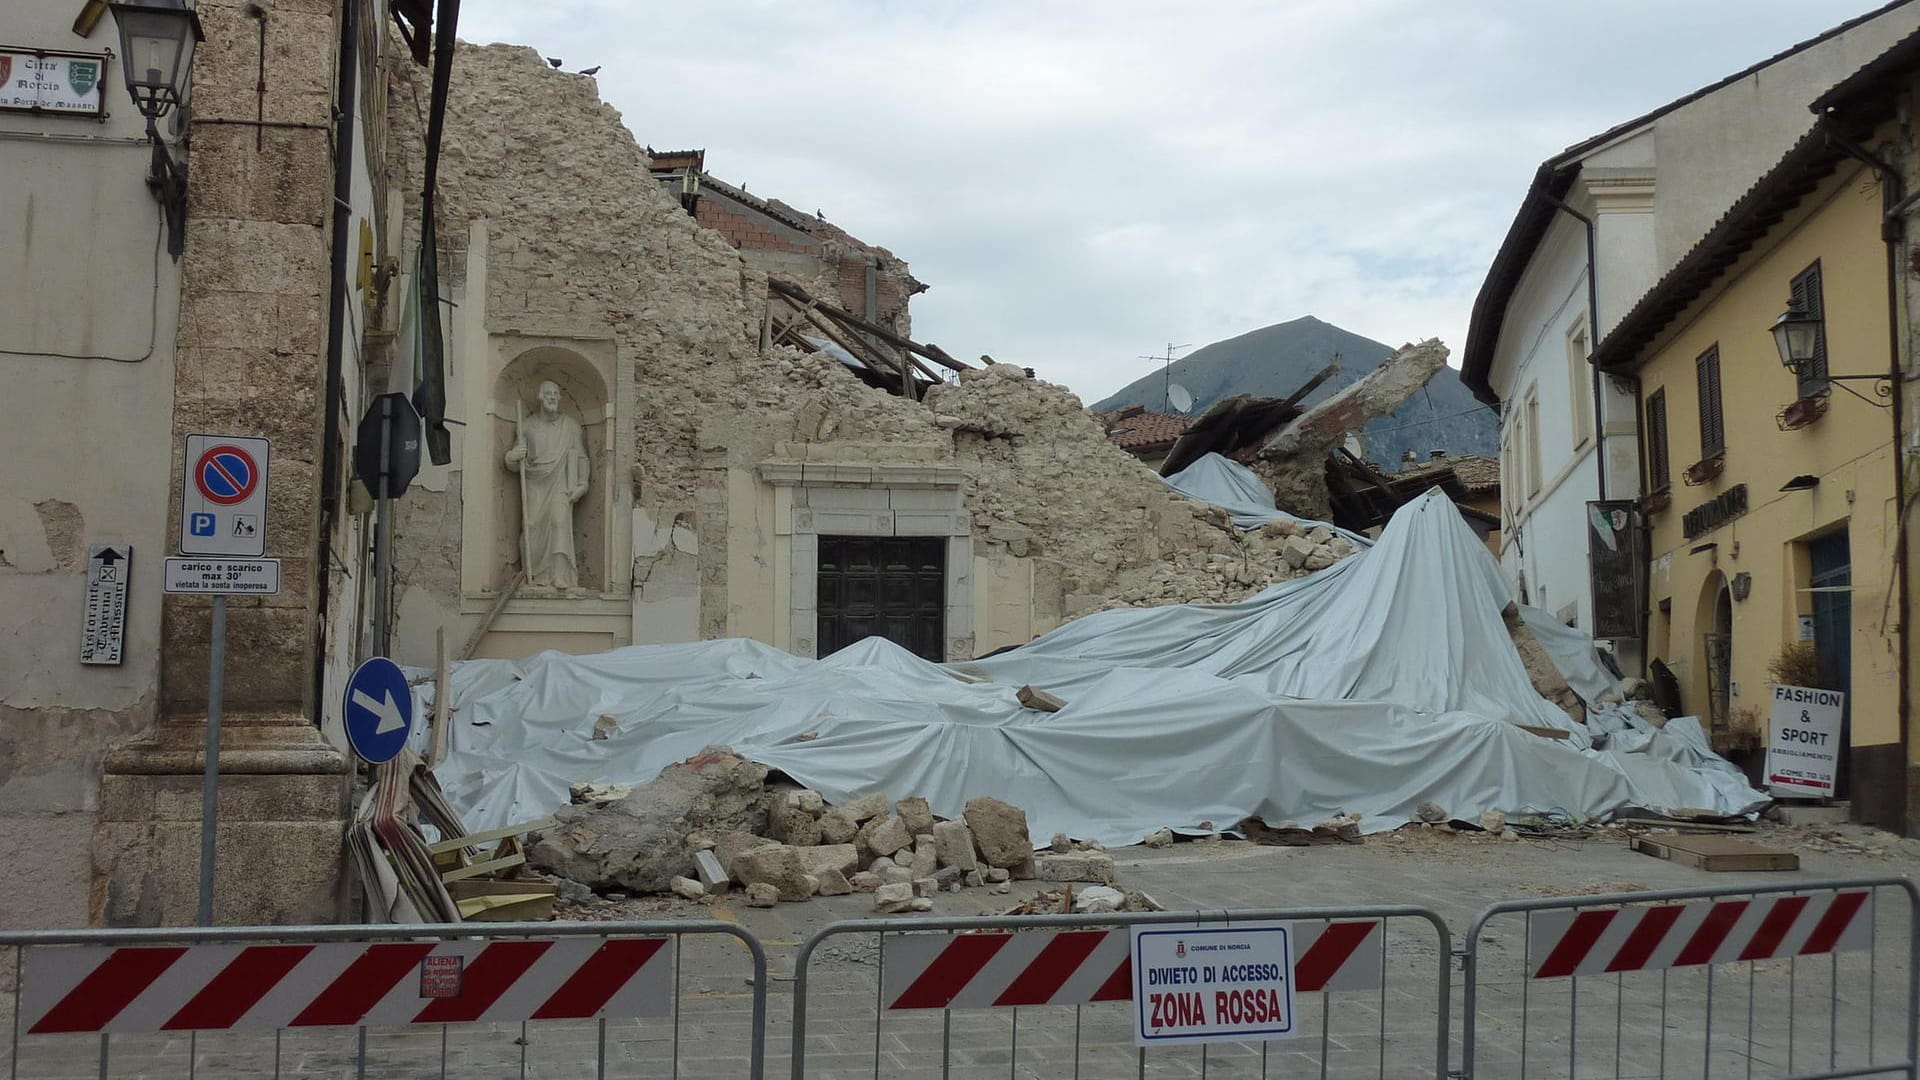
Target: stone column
[{"x": 252, "y": 360}]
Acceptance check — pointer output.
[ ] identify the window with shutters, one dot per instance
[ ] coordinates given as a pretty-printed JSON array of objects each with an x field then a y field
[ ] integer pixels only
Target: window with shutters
[
  {"x": 1580, "y": 383},
  {"x": 1658, "y": 478},
  {"x": 1531, "y": 415},
  {"x": 1807, "y": 294},
  {"x": 1713, "y": 430}
]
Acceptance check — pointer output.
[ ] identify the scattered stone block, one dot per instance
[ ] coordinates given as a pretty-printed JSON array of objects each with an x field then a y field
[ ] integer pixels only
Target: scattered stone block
[
  {"x": 1431, "y": 813},
  {"x": 865, "y": 881},
  {"x": 761, "y": 894},
  {"x": 842, "y": 859},
  {"x": 925, "y": 862},
  {"x": 881, "y": 865},
  {"x": 1002, "y": 887},
  {"x": 916, "y": 814},
  {"x": 831, "y": 882},
  {"x": 713, "y": 876},
  {"x": 1320, "y": 559},
  {"x": 1139, "y": 901},
  {"x": 1096, "y": 866},
  {"x": 687, "y": 888},
  {"x": 837, "y": 826},
  {"x": 921, "y": 904},
  {"x": 973, "y": 878},
  {"x": 778, "y": 866},
  {"x": 1494, "y": 821},
  {"x": 810, "y": 801},
  {"x": 946, "y": 875},
  {"x": 889, "y": 836},
  {"x": 953, "y": 844},
  {"x": 999, "y": 831},
  {"x": 867, "y": 807},
  {"x": 1159, "y": 838},
  {"x": 995, "y": 875},
  {"x": 893, "y": 897},
  {"x": 894, "y": 875},
  {"x": 1025, "y": 870},
  {"x": 1098, "y": 899},
  {"x": 925, "y": 886},
  {"x": 729, "y": 846},
  {"x": 1035, "y": 698},
  {"x": 1296, "y": 551},
  {"x": 1061, "y": 843}
]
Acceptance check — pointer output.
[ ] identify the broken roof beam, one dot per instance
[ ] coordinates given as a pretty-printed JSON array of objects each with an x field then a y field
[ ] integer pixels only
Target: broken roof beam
[
  {"x": 890, "y": 372},
  {"x": 1294, "y": 399},
  {"x": 932, "y": 352},
  {"x": 1383, "y": 390}
]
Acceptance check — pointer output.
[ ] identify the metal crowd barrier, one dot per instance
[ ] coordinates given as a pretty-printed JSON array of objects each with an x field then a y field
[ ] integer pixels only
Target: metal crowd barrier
[
  {"x": 280, "y": 1001},
  {"x": 921, "y": 982},
  {"x": 1738, "y": 981}
]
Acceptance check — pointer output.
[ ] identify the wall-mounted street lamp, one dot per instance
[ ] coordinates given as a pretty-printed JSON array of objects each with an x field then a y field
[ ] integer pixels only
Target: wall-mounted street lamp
[
  {"x": 1796, "y": 334},
  {"x": 157, "y": 39}
]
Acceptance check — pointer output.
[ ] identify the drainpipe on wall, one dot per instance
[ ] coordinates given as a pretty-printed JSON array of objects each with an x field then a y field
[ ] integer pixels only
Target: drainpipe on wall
[
  {"x": 348, "y": 80},
  {"x": 1892, "y": 230}
]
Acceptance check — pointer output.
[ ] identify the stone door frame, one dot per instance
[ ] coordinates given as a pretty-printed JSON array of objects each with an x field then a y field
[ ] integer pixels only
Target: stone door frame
[{"x": 840, "y": 499}]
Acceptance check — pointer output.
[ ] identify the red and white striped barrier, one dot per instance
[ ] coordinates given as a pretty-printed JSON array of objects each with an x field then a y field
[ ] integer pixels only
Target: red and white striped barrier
[
  {"x": 345, "y": 984},
  {"x": 1596, "y": 941},
  {"x": 1080, "y": 967}
]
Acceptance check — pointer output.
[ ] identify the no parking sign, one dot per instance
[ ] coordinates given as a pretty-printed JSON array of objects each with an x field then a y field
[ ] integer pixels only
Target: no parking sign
[{"x": 223, "y": 501}]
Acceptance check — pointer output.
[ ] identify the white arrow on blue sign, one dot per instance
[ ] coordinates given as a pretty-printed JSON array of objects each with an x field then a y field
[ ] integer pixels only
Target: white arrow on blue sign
[{"x": 379, "y": 709}]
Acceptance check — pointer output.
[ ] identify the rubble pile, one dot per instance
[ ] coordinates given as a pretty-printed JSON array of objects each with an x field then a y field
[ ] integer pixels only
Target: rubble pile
[
  {"x": 1048, "y": 483},
  {"x": 712, "y": 822},
  {"x": 590, "y": 237}
]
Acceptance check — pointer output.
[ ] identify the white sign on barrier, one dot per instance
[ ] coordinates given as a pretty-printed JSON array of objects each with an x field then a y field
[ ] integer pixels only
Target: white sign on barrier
[
  {"x": 1803, "y": 742},
  {"x": 1212, "y": 983}
]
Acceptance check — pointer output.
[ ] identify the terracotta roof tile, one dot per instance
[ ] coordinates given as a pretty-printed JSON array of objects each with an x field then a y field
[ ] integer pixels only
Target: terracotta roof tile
[{"x": 1146, "y": 430}]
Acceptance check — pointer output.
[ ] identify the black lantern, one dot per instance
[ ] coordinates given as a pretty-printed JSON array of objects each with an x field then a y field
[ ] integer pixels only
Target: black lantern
[
  {"x": 156, "y": 46},
  {"x": 1796, "y": 333}
]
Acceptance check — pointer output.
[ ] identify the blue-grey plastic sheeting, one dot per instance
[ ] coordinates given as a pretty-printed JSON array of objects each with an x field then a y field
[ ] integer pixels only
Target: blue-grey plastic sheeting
[
  {"x": 1383, "y": 682},
  {"x": 1239, "y": 491}
]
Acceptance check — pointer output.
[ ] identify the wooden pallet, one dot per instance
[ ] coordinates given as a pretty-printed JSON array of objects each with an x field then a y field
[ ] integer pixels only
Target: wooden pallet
[{"x": 1715, "y": 852}]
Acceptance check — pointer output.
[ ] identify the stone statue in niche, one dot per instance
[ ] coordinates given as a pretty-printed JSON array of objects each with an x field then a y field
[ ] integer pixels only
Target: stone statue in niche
[{"x": 550, "y": 454}]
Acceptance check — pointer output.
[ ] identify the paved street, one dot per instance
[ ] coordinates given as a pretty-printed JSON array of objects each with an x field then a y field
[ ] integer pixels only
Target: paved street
[{"x": 1453, "y": 875}]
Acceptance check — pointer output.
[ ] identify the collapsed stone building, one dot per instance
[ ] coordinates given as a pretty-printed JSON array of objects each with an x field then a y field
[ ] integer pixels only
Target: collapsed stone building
[{"x": 742, "y": 486}]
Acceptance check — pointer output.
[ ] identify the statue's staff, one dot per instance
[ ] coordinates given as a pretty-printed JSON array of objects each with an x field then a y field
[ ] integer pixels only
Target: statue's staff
[{"x": 526, "y": 511}]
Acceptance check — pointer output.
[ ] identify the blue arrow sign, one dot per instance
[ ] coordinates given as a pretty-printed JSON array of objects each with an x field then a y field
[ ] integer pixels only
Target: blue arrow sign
[{"x": 379, "y": 710}]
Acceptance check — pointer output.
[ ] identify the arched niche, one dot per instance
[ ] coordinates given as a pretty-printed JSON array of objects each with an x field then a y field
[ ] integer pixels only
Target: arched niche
[{"x": 583, "y": 396}]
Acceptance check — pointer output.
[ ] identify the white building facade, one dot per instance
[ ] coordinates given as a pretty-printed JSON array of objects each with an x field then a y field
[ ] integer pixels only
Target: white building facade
[{"x": 1599, "y": 225}]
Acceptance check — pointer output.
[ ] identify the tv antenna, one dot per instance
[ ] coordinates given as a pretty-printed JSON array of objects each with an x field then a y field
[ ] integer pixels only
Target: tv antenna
[{"x": 1166, "y": 387}]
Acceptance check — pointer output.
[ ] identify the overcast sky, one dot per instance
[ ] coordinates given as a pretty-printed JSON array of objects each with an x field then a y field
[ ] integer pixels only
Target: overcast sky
[{"x": 1081, "y": 184}]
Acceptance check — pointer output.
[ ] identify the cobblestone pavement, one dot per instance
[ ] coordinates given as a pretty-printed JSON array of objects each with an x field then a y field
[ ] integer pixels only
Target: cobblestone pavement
[{"x": 1811, "y": 1012}]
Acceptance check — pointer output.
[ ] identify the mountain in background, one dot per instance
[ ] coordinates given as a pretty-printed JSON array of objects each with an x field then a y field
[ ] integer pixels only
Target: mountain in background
[{"x": 1274, "y": 361}]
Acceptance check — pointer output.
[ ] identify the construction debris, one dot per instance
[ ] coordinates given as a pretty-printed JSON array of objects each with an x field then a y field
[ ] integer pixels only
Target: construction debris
[{"x": 713, "y": 821}]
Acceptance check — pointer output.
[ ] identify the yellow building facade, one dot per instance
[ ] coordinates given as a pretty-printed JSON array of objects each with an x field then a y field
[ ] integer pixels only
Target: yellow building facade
[{"x": 1772, "y": 514}]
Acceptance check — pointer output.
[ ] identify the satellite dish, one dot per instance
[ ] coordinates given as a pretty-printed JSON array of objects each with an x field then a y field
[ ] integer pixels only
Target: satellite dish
[{"x": 1179, "y": 398}]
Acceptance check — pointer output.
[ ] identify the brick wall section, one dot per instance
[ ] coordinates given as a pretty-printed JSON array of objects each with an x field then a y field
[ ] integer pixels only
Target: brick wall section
[{"x": 752, "y": 231}]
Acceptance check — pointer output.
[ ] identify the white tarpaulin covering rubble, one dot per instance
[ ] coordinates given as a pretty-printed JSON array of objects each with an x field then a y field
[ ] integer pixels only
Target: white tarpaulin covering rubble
[
  {"x": 1383, "y": 682},
  {"x": 1239, "y": 491}
]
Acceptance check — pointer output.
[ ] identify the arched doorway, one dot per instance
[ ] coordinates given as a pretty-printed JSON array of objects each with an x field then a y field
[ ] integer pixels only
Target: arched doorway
[{"x": 1712, "y": 693}]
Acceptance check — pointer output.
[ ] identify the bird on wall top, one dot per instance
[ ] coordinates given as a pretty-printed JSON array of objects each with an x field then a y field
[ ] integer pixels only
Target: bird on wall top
[
  {"x": 594, "y": 70},
  {"x": 555, "y": 62}
]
